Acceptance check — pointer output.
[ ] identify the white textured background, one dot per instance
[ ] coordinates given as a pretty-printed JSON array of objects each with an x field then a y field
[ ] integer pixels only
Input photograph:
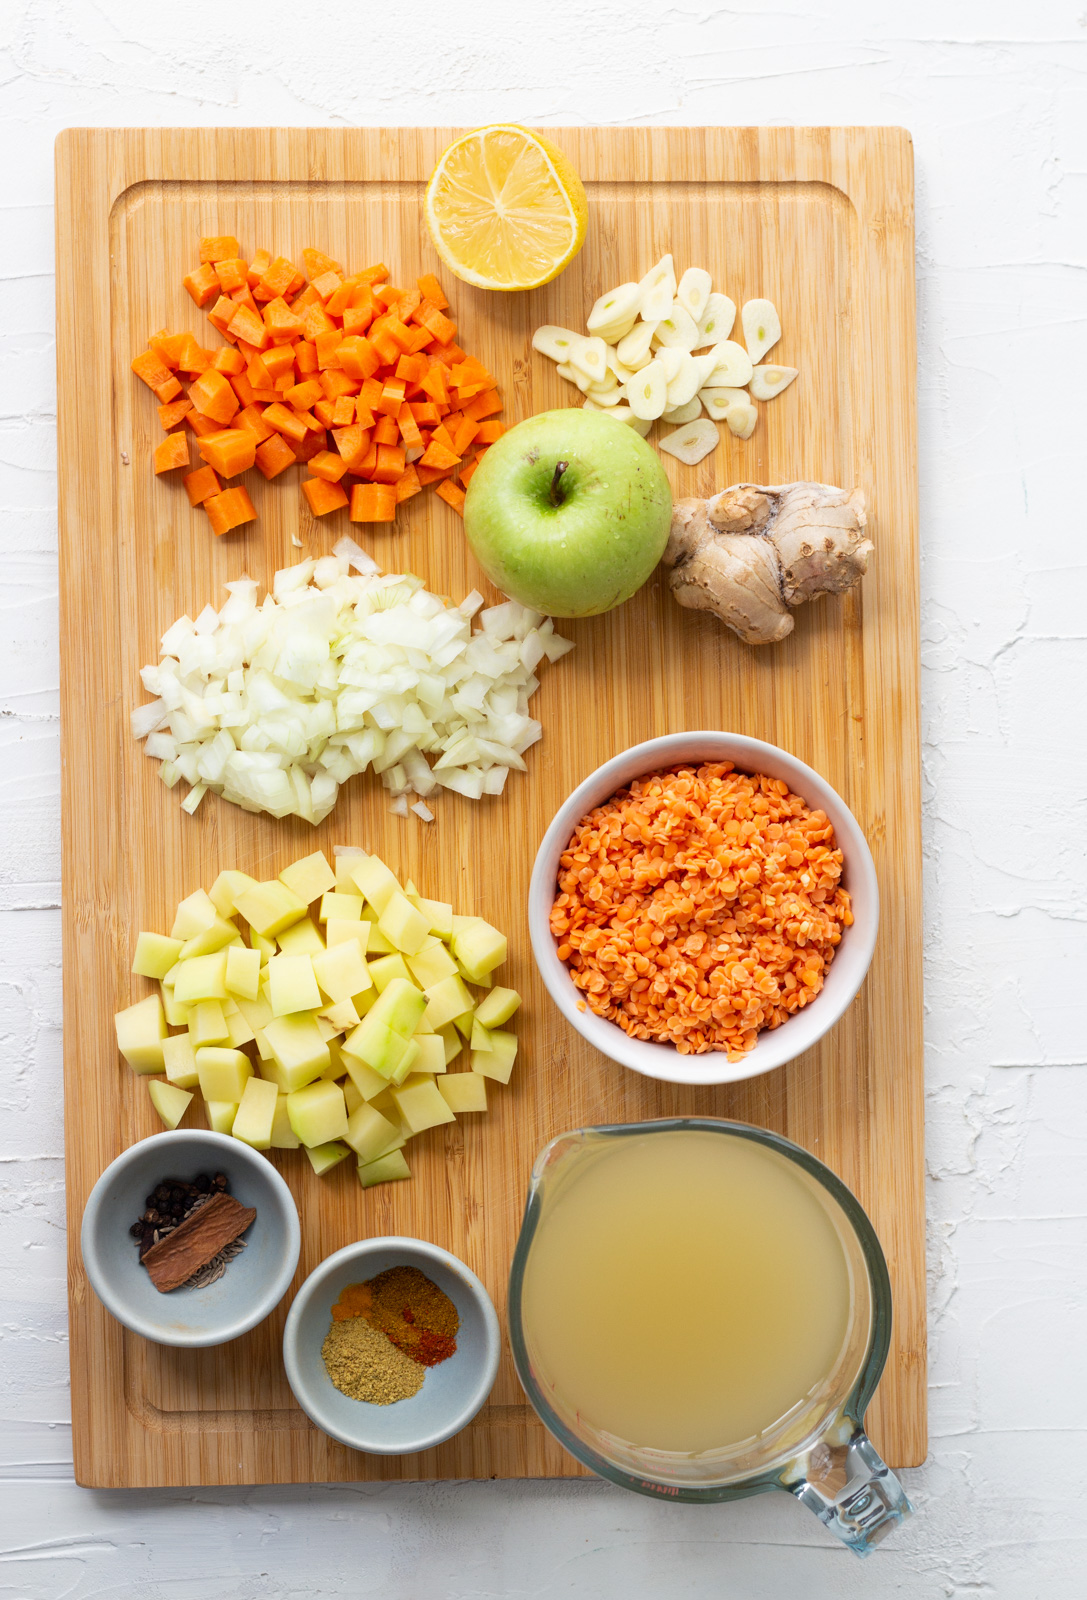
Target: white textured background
[{"x": 995, "y": 94}]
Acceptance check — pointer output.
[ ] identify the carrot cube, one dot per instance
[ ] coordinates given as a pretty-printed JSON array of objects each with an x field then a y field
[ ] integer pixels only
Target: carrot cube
[
  {"x": 326, "y": 284},
  {"x": 306, "y": 449},
  {"x": 411, "y": 368},
  {"x": 436, "y": 323},
  {"x": 277, "y": 279},
  {"x": 452, "y": 494},
  {"x": 384, "y": 343},
  {"x": 373, "y": 502},
  {"x": 247, "y": 394},
  {"x": 173, "y": 413},
  {"x": 213, "y": 396},
  {"x": 465, "y": 433},
  {"x": 468, "y": 473},
  {"x": 357, "y": 357},
  {"x": 368, "y": 465},
  {"x": 390, "y": 463},
  {"x": 375, "y": 274},
  {"x": 302, "y": 395},
  {"x": 434, "y": 383},
  {"x": 425, "y": 413},
  {"x": 328, "y": 465},
  {"x": 387, "y": 296},
  {"x": 279, "y": 359},
  {"x": 484, "y": 405},
  {"x": 353, "y": 444},
  {"x": 305, "y": 357},
  {"x": 339, "y": 300},
  {"x": 318, "y": 263},
  {"x": 229, "y": 509},
  {"x": 233, "y": 273},
  {"x": 488, "y": 432},
  {"x": 324, "y": 411},
  {"x": 228, "y": 360},
  {"x": 290, "y": 423},
  {"x": 392, "y": 397},
  {"x": 191, "y": 357},
  {"x": 409, "y": 428},
  {"x": 281, "y": 321},
  {"x": 431, "y": 474},
  {"x": 356, "y": 320},
  {"x": 432, "y": 289},
  {"x": 322, "y": 496},
  {"x": 274, "y": 455},
  {"x": 335, "y": 383},
  {"x": 171, "y": 453},
  {"x": 150, "y": 366},
  {"x": 258, "y": 267},
  {"x": 202, "y": 284},
  {"x": 202, "y": 426},
  {"x": 316, "y": 320},
  {"x": 200, "y": 485},
  {"x": 408, "y": 484},
  {"x": 343, "y": 411},
  {"x": 219, "y": 247},
  {"x": 386, "y": 431},
  {"x": 252, "y": 417},
  {"x": 222, "y": 314},
  {"x": 248, "y": 324},
  {"x": 230, "y": 451}
]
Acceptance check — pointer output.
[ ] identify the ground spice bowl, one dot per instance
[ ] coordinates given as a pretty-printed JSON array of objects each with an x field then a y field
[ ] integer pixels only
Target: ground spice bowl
[
  {"x": 254, "y": 1282},
  {"x": 846, "y": 973},
  {"x": 452, "y": 1392}
]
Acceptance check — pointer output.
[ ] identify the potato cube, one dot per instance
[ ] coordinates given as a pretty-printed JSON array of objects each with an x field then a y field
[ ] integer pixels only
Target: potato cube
[
  {"x": 256, "y": 1114},
  {"x": 386, "y": 1169},
  {"x": 302, "y": 938},
  {"x": 387, "y": 968},
  {"x": 477, "y": 946},
  {"x": 297, "y": 1047},
  {"x": 439, "y": 917},
  {"x": 403, "y": 925},
  {"x": 169, "y": 1101},
  {"x": 344, "y": 930},
  {"x": 242, "y": 976},
  {"x": 224, "y": 892},
  {"x": 220, "y": 1115},
  {"x": 207, "y": 1025},
  {"x": 380, "y": 1047},
  {"x": 431, "y": 965},
  {"x": 193, "y": 916},
  {"x": 452, "y": 1041},
  {"x": 283, "y": 1135},
  {"x": 270, "y": 907},
  {"x": 347, "y": 859},
  {"x": 341, "y": 907},
  {"x": 497, "y": 1062},
  {"x": 318, "y": 1113},
  {"x": 371, "y": 1135},
  {"x": 376, "y": 882},
  {"x": 223, "y": 1073},
  {"x": 344, "y": 1015},
  {"x": 257, "y": 1012},
  {"x": 480, "y": 1039},
  {"x": 266, "y": 947},
  {"x": 448, "y": 999},
  {"x": 292, "y": 985},
  {"x": 401, "y": 1006},
  {"x": 497, "y": 1007},
  {"x": 140, "y": 1031},
  {"x": 463, "y": 1091},
  {"x": 421, "y": 1106},
  {"x": 431, "y": 1057},
  {"x": 342, "y": 971},
  {"x": 202, "y": 978},
  {"x": 155, "y": 955},
  {"x": 323, "y": 1157},
  {"x": 310, "y": 877},
  {"x": 221, "y": 933},
  {"x": 238, "y": 1031},
  {"x": 366, "y": 1083},
  {"x": 177, "y": 1015},
  {"x": 179, "y": 1058},
  {"x": 352, "y": 1098}
]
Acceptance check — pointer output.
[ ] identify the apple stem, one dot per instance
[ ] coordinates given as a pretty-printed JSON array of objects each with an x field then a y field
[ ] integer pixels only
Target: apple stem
[{"x": 556, "y": 497}]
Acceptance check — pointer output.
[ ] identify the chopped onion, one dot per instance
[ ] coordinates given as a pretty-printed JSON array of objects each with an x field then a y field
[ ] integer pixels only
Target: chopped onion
[{"x": 341, "y": 668}]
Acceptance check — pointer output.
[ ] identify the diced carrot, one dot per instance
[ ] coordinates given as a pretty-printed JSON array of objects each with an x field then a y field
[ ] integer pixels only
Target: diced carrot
[
  {"x": 281, "y": 321},
  {"x": 336, "y": 382},
  {"x": 408, "y": 304},
  {"x": 387, "y": 296},
  {"x": 409, "y": 428},
  {"x": 317, "y": 263},
  {"x": 468, "y": 473},
  {"x": 471, "y": 371},
  {"x": 442, "y": 435},
  {"x": 373, "y": 502},
  {"x": 392, "y": 397},
  {"x": 375, "y": 274},
  {"x": 229, "y": 509},
  {"x": 285, "y": 421},
  {"x": 386, "y": 430},
  {"x": 363, "y": 415},
  {"x": 390, "y": 463},
  {"x": 274, "y": 456},
  {"x": 173, "y": 452},
  {"x": 316, "y": 320},
  {"x": 368, "y": 465},
  {"x": 252, "y": 417},
  {"x": 466, "y": 432},
  {"x": 192, "y": 357},
  {"x": 353, "y": 444},
  {"x": 357, "y": 357},
  {"x": 425, "y": 413},
  {"x": 452, "y": 494},
  {"x": 484, "y": 405},
  {"x": 166, "y": 345},
  {"x": 213, "y": 396},
  {"x": 412, "y": 368},
  {"x": 259, "y": 373},
  {"x": 165, "y": 392},
  {"x": 324, "y": 411},
  {"x": 447, "y": 354},
  {"x": 302, "y": 302},
  {"x": 384, "y": 343},
  {"x": 408, "y": 484},
  {"x": 228, "y": 360},
  {"x": 202, "y": 426},
  {"x": 370, "y": 392},
  {"x": 343, "y": 411},
  {"x": 285, "y": 381},
  {"x": 328, "y": 346},
  {"x": 277, "y": 279},
  {"x": 244, "y": 297},
  {"x": 222, "y": 314},
  {"x": 438, "y": 456},
  {"x": 202, "y": 284},
  {"x": 247, "y": 394},
  {"x": 356, "y": 320},
  {"x": 488, "y": 432},
  {"x": 326, "y": 284},
  {"x": 339, "y": 300},
  {"x": 302, "y": 395},
  {"x": 436, "y": 323},
  {"x": 434, "y": 383},
  {"x": 306, "y": 449},
  {"x": 150, "y": 366},
  {"x": 258, "y": 267},
  {"x": 218, "y": 247},
  {"x": 229, "y": 451},
  {"x": 279, "y": 359},
  {"x": 248, "y": 325},
  {"x": 431, "y": 474},
  {"x": 305, "y": 357},
  {"x": 172, "y": 414},
  {"x": 362, "y": 296},
  {"x": 232, "y": 273},
  {"x": 432, "y": 289},
  {"x": 200, "y": 484},
  {"x": 323, "y": 496},
  {"x": 327, "y": 464}
]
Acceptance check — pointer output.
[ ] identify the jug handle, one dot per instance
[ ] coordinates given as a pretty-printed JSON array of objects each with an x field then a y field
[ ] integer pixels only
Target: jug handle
[{"x": 851, "y": 1490}]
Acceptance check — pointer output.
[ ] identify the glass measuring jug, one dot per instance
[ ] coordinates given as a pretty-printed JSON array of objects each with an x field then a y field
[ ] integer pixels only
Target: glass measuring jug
[{"x": 700, "y": 1311}]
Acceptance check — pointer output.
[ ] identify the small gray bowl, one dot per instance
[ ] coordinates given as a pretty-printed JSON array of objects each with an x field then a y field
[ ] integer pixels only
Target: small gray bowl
[
  {"x": 452, "y": 1391},
  {"x": 254, "y": 1282}
]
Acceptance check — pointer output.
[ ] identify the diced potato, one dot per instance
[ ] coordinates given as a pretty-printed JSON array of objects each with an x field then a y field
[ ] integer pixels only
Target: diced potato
[
  {"x": 337, "y": 1066},
  {"x": 202, "y": 978},
  {"x": 140, "y": 1031},
  {"x": 223, "y": 1073},
  {"x": 208, "y": 1025},
  {"x": 380, "y": 1047},
  {"x": 328, "y": 1030},
  {"x": 497, "y": 1062},
  {"x": 401, "y": 1006},
  {"x": 169, "y": 1101},
  {"x": 193, "y": 916},
  {"x": 375, "y": 880},
  {"x": 292, "y": 985},
  {"x": 179, "y": 1058},
  {"x": 385, "y": 1170},
  {"x": 421, "y": 1106},
  {"x": 270, "y": 907},
  {"x": 431, "y": 965},
  {"x": 220, "y": 1115},
  {"x": 366, "y": 1083},
  {"x": 256, "y": 1114},
  {"x": 310, "y": 877},
  {"x": 301, "y": 939},
  {"x": 283, "y": 1135},
  {"x": 221, "y": 933},
  {"x": 297, "y": 1047},
  {"x": 387, "y": 968},
  {"x": 464, "y": 1024},
  {"x": 452, "y": 1041},
  {"x": 341, "y": 907},
  {"x": 344, "y": 1015},
  {"x": 346, "y": 861},
  {"x": 323, "y": 1157},
  {"x": 477, "y": 946},
  {"x": 480, "y": 1039},
  {"x": 463, "y": 1091},
  {"x": 402, "y": 924},
  {"x": 344, "y": 930},
  {"x": 266, "y": 947},
  {"x": 224, "y": 892},
  {"x": 238, "y": 1031},
  {"x": 342, "y": 971},
  {"x": 257, "y": 1012},
  {"x": 448, "y": 999},
  {"x": 177, "y": 1015},
  {"x": 439, "y": 917},
  {"x": 352, "y": 1098},
  {"x": 376, "y": 944},
  {"x": 370, "y": 1135},
  {"x": 497, "y": 1007},
  {"x": 155, "y": 955},
  {"x": 242, "y": 977},
  {"x": 318, "y": 1113},
  {"x": 431, "y": 1057}
]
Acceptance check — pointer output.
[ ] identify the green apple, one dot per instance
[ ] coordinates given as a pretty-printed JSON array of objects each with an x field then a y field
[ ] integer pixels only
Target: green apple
[{"x": 569, "y": 512}]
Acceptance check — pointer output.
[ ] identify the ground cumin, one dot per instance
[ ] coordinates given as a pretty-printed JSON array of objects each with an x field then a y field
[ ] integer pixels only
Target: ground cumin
[
  {"x": 700, "y": 906},
  {"x": 365, "y": 1365}
]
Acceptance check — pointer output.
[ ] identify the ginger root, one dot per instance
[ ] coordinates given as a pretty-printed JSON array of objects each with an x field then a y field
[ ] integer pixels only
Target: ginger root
[{"x": 750, "y": 554}]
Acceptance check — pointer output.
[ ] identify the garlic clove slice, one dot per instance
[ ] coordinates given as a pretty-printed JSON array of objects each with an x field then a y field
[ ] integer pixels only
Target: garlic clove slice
[
  {"x": 590, "y": 358},
  {"x": 762, "y": 327},
  {"x": 658, "y": 290},
  {"x": 671, "y": 361},
  {"x": 572, "y": 375},
  {"x": 677, "y": 330},
  {"x": 617, "y": 306},
  {"x": 556, "y": 343},
  {"x": 623, "y": 413},
  {"x": 706, "y": 365},
  {"x": 733, "y": 366},
  {"x": 693, "y": 292},
  {"x": 717, "y": 320},
  {"x": 606, "y": 397},
  {"x": 647, "y": 392},
  {"x": 717, "y": 401},
  {"x": 767, "y": 381},
  {"x": 690, "y": 444},
  {"x": 741, "y": 419},
  {"x": 634, "y": 348},
  {"x": 686, "y": 413},
  {"x": 686, "y": 383},
  {"x": 623, "y": 374}
]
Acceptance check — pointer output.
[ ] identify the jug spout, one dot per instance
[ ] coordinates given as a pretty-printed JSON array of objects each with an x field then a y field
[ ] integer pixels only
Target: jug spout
[{"x": 851, "y": 1490}]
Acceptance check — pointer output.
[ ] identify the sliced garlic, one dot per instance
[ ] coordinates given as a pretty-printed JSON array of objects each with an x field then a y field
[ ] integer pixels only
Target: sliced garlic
[
  {"x": 647, "y": 392},
  {"x": 572, "y": 375},
  {"x": 762, "y": 327},
  {"x": 606, "y": 397},
  {"x": 633, "y": 348},
  {"x": 732, "y": 368},
  {"x": 706, "y": 367},
  {"x": 677, "y": 330},
  {"x": 693, "y": 442},
  {"x": 554, "y": 342},
  {"x": 740, "y": 420},
  {"x": 766, "y": 382},
  {"x": 686, "y": 383},
  {"x": 718, "y": 401},
  {"x": 616, "y": 307},
  {"x": 622, "y": 374},
  {"x": 693, "y": 292},
  {"x": 671, "y": 361},
  {"x": 717, "y": 320},
  {"x": 589, "y": 357},
  {"x": 658, "y": 290},
  {"x": 608, "y": 381},
  {"x": 623, "y": 413},
  {"x": 687, "y": 413}
]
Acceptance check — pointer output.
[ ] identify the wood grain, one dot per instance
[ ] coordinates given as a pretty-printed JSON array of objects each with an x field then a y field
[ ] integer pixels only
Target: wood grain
[{"x": 818, "y": 220}]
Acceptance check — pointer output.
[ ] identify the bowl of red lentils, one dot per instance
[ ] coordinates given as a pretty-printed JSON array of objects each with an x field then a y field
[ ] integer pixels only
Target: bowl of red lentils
[{"x": 703, "y": 908}]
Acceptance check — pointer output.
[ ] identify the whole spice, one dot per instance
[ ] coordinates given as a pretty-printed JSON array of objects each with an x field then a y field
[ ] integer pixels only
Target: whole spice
[
  {"x": 403, "y": 1303},
  {"x": 190, "y": 1231},
  {"x": 364, "y": 1365}
]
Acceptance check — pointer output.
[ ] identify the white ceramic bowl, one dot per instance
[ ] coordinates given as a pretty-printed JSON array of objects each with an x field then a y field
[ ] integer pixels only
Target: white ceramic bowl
[
  {"x": 254, "y": 1282},
  {"x": 452, "y": 1391},
  {"x": 775, "y": 1046}
]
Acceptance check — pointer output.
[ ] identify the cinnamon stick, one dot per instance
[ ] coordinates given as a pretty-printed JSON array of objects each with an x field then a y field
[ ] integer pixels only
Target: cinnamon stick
[{"x": 195, "y": 1241}]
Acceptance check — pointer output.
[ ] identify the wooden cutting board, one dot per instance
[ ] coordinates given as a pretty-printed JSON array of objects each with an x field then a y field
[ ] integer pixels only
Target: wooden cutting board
[{"x": 820, "y": 221}]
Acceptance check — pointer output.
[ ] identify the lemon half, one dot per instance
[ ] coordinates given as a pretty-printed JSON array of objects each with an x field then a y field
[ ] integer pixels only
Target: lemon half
[{"x": 505, "y": 208}]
